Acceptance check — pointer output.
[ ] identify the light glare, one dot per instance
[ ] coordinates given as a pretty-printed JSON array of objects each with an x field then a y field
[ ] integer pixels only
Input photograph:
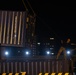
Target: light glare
[
  {"x": 68, "y": 52},
  {"x": 48, "y": 52},
  {"x": 27, "y": 52},
  {"x": 6, "y": 53}
]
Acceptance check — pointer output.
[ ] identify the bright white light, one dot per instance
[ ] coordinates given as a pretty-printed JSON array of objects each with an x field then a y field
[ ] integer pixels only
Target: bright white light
[
  {"x": 48, "y": 52},
  {"x": 6, "y": 53},
  {"x": 52, "y": 53},
  {"x": 51, "y": 38},
  {"x": 38, "y": 43},
  {"x": 27, "y": 52},
  {"x": 68, "y": 52}
]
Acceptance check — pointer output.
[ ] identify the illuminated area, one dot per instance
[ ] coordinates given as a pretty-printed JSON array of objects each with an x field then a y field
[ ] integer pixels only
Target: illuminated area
[
  {"x": 48, "y": 52},
  {"x": 52, "y": 53},
  {"x": 6, "y": 53},
  {"x": 38, "y": 43},
  {"x": 68, "y": 52},
  {"x": 27, "y": 53}
]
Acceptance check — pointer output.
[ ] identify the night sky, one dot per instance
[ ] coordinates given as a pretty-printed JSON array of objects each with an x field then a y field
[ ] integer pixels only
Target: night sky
[{"x": 56, "y": 19}]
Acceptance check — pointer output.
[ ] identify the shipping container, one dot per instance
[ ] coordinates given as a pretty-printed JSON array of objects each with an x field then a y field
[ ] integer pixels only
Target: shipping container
[
  {"x": 34, "y": 65},
  {"x": 12, "y": 28}
]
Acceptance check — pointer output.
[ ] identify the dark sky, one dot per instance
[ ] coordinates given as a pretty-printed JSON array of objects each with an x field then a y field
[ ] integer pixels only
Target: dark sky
[{"x": 53, "y": 18}]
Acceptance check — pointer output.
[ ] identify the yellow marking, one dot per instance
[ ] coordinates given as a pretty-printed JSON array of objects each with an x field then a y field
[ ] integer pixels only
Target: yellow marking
[
  {"x": 3, "y": 73},
  {"x": 46, "y": 73},
  {"x": 40, "y": 73},
  {"x": 59, "y": 73},
  {"x": 16, "y": 73},
  {"x": 66, "y": 74},
  {"x": 23, "y": 73},
  {"x": 53, "y": 73},
  {"x": 10, "y": 74}
]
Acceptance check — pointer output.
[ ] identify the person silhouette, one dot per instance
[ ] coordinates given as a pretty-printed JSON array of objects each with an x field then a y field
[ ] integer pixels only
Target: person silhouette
[{"x": 64, "y": 45}]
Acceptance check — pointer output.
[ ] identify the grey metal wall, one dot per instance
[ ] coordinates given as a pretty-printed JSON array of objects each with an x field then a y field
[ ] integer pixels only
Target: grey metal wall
[{"x": 34, "y": 67}]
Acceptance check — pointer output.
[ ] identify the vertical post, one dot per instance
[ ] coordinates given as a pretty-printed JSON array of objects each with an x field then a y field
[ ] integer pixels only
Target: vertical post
[
  {"x": 0, "y": 51},
  {"x": 71, "y": 66}
]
